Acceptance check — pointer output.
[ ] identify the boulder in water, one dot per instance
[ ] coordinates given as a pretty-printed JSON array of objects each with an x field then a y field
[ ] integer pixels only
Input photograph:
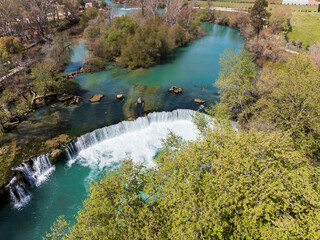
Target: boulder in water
[
  {"x": 175, "y": 89},
  {"x": 96, "y": 98},
  {"x": 199, "y": 101},
  {"x": 119, "y": 96}
]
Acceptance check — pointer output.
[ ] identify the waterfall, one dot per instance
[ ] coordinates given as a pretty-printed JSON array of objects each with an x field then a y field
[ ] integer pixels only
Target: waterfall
[
  {"x": 32, "y": 174},
  {"x": 99, "y": 135},
  {"x": 105, "y": 146}
]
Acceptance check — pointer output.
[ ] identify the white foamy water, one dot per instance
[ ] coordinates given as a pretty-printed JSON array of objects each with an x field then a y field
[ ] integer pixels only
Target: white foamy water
[
  {"x": 106, "y": 147},
  {"x": 34, "y": 175},
  {"x": 141, "y": 139}
]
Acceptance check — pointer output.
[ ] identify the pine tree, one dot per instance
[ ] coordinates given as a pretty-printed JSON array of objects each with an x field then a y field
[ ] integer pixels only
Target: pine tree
[{"x": 258, "y": 14}]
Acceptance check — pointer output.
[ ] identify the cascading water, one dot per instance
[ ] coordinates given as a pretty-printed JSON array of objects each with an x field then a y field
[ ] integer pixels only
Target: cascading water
[
  {"x": 105, "y": 146},
  {"x": 99, "y": 135},
  {"x": 33, "y": 174}
]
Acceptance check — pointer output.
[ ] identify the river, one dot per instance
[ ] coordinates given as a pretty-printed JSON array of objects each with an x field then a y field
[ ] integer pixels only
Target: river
[{"x": 194, "y": 68}]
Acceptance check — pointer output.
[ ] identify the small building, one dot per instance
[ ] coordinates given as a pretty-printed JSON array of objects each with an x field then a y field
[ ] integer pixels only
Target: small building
[
  {"x": 299, "y": 2},
  {"x": 88, "y": 4}
]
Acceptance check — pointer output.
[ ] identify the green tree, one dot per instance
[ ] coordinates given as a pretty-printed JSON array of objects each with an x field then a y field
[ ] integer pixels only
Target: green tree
[
  {"x": 47, "y": 80},
  {"x": 280, "y": 19},
  {"x": 290, "y": 100},
  {"x": 12, "y": 107},
  {"x": 229, "y": 185},
  {"x": 143, "y": 48},
  {"x": 60, "y": 51},
  {"x": 258, "y": 14},
  {"x": 89, "y": 14},
  {"x": 116, "y": 37},
  {"x": 236, "y": 82},
  {"x": 9, "y": 46}
]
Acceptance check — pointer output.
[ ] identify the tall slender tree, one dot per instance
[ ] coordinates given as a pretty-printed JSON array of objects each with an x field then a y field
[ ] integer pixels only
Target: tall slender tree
[{"x": 258, "y": 14}]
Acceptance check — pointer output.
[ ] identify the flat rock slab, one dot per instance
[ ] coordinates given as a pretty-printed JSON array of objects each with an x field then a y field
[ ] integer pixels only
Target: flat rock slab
[
  {"x": 199, "y": 101},
  {"x": 96, "y": 98}
]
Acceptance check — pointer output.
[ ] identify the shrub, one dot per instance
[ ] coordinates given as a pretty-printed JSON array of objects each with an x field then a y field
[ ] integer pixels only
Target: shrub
[
  {"x": 143, "y": 48},
  {"x": 94, "y": 63},
  {"x": 9, "y": 46},
  {"x": 89, "y": 14},
  {"x": 71, "y": 86},
  {"x": 91, "y": 32}
]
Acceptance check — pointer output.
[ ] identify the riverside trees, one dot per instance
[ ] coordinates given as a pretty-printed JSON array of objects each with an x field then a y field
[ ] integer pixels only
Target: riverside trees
[{"x": 229, "y": 185}]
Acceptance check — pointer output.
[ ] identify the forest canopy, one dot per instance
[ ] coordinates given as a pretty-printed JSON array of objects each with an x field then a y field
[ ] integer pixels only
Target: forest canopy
[{"x": 228, "y": 185}]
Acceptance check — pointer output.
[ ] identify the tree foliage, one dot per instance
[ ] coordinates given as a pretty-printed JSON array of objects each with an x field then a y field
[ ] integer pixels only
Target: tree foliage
[
  {"x": 135, "y": 44},
  {"x": 236, "y": 82},
  {"x": 46, "y": 79},
  {"x": 258, "y": 14},
  {"x": 290, "y": 100},
  {"x": 229, "y": 185},
  {"x": 9, "y": 46},
  {"x": 280, "y": 19},
  {"x": 12, "y": 106}
]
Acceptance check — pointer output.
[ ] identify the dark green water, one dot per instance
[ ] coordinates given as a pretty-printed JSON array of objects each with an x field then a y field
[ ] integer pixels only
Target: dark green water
[{"x": 194, "y": 68}]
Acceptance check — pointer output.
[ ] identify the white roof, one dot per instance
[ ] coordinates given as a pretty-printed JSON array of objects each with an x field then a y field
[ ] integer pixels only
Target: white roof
[{"x": 295, "y": 2}]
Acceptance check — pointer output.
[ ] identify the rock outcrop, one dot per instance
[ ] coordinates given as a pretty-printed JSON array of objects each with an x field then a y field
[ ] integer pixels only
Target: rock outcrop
[{"x": 57, "y": 154}]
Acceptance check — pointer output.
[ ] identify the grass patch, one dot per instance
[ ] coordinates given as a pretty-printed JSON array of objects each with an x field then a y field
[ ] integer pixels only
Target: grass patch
[
  {"x": 305, "y": 19},
  {"x": 249, "y": 3},
  {"x": 305, "y": 27}
]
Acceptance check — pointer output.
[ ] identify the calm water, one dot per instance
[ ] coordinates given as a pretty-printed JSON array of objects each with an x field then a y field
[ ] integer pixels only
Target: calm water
[{"x": 194, "y": 68}]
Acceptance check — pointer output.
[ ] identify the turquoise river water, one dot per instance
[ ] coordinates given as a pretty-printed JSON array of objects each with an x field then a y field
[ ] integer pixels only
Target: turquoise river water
[{"x": 194, "y": 68}]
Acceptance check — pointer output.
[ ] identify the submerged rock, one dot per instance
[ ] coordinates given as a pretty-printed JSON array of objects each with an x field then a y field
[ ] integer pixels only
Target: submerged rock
[
  {"x": 175, "y": 89},
  {"x": 96, "y": 98},
  {"x": 65, "y": 97},
  {"x": 199, "y": 101}
]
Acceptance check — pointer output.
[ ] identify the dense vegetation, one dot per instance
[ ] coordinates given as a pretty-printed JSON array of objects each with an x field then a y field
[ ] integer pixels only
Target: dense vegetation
[
  {"x": 260, "y": 181},
  {"x": 22, "y": 93},
  {"x": 228, "y": 185},
  {"x": 139, "y": 40}
]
